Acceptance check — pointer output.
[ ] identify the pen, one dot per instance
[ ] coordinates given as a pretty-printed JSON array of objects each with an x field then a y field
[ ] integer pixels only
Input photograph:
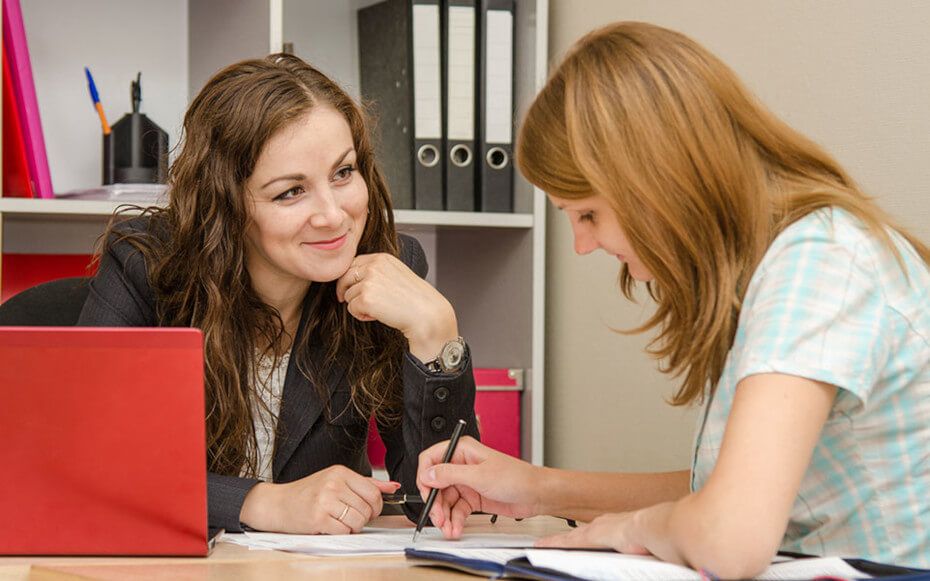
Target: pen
[
  {"x": 96, "y": 99},
  {"x": 424, "y": 513},
  {"x": 401, "y": 498}
]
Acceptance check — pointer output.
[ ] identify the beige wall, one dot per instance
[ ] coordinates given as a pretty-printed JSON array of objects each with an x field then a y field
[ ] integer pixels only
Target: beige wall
[{"x": 854, "y": 75}]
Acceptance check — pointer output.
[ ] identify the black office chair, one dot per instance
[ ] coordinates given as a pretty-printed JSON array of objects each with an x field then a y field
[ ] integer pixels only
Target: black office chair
[{"x": 56, "y": 303}]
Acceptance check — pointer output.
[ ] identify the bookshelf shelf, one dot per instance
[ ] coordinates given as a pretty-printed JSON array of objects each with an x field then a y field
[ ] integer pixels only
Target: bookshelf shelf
[{"x": 104, "y": 208}]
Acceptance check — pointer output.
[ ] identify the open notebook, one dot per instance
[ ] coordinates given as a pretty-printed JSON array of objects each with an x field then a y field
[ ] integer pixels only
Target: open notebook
[{"x": 550, "y": 564}]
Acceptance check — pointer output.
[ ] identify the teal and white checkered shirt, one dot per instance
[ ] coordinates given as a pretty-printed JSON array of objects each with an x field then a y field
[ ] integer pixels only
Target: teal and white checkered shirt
[{"x": 830, "y": 303}]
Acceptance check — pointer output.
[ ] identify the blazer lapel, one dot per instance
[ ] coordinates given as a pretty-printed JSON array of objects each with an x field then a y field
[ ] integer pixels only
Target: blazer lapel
[{"x": 300, "y": 402}]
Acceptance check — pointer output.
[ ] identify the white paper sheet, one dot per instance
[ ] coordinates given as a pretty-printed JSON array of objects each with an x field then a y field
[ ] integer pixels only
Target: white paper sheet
[{"x": 373, "y": 541}]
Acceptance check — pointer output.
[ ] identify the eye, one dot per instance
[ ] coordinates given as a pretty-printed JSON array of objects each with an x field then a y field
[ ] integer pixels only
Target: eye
[
  {"x": 586, "y": 217},
  {"x": 344, "y": 173},
  {"x": 289, "y": 194}
]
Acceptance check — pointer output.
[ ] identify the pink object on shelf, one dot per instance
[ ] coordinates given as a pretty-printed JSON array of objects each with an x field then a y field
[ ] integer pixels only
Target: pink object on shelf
[
  {"x": 498, "y": 415},
  {"x": 14, "y": 43}
]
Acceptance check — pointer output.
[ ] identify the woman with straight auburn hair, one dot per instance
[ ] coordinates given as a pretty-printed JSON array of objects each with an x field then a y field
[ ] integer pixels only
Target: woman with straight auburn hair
[
  {"x": 791, "y": 306},
  {"x": 278, "y": 242}
]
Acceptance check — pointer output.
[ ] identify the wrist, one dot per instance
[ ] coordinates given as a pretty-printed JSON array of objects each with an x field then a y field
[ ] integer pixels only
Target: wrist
[
  {"x": 652, "y": 526},
  {"x": 551, "y": 497},
  {"x": 427, "y": 340},
  {"x": 258, "y": 508}
]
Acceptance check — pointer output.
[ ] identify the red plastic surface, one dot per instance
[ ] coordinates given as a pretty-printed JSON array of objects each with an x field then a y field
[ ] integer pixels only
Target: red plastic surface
[{"x": 103, "y": 441}]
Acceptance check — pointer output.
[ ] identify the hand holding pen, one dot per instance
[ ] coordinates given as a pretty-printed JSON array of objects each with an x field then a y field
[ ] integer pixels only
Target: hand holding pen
[{"x": 477, "y": 478}]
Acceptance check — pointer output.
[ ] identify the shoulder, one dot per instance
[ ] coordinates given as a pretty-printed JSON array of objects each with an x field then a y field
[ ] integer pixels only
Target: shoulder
[
  {"x": 125, "y": 242},
  {"x": 411, "y": 254},
  {"x": 831, "y": 245},
  {"x": 822, "y": 242},
  {"x": 129, "y": 234}
]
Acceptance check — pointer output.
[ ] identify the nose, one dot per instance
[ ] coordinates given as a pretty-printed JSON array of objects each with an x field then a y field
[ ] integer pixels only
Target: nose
[
  {"x": 585, "y": 243},
  {"x": 326, "y": 211}
]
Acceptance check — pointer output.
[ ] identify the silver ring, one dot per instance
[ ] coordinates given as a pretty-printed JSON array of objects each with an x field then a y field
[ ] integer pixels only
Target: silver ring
[
  {"x": 344, "y": 513},
  {"x": 357, "y": 277}
]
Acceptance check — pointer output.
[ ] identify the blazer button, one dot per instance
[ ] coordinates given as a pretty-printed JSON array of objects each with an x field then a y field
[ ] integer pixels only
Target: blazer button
[
  {"x": 438, "y": 423},
  {"x": 441, "y": 394}
]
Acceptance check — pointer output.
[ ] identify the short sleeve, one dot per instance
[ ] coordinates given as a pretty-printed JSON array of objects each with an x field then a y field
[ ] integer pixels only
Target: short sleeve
[{"x": 815, "y": 309}]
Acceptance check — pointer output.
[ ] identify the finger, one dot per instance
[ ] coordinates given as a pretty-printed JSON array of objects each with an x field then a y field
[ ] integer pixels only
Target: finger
[
  {"x": 335, "y": 523},
  {"x": 356, "y": 272},
  {"x": 348, "y": 278},
  {"x": 387, "y": 487},
  {"x": 354, "y": 519},
  {"x": 427, "y": 459},
  {"x": 368, "y": 494},
  {"x": 475, "y": 500},
  {"x": 468, "y": 451},
  {"x": 445, "y": 475},
  {"x": 442, "y": 508},
  {"x": 460, "y": 512},
  {"x": 450, "y": 497},
  {"x": 358, "y": 304},
  {"x": 355, "y": 502},
  {"x": 560, "y": 540}
]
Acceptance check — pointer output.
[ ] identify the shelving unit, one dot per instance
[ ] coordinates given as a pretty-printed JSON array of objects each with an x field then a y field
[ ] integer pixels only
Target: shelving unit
[{"x": 490, "y": 266}]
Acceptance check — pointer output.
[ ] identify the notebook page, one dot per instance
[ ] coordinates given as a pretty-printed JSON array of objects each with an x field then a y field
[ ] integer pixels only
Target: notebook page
[
  {"x": 811, "y": 568},
  {"x": 498, "y": 556},
  {"x": 599, "y": 566},
  {"x": 615, "y": 566}
]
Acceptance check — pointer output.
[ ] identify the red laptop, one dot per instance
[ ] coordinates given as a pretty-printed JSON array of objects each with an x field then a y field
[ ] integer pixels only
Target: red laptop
[{"x": 102, "y": 443}]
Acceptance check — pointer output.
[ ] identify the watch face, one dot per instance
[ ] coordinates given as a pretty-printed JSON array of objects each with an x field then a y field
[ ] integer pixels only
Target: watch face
[{"x": 452, "y": 354}]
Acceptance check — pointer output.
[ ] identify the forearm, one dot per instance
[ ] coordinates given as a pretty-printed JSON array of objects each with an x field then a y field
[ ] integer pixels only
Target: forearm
[
  {"x": 583, "y": 496},
  {"x": 694, "y": 533}
]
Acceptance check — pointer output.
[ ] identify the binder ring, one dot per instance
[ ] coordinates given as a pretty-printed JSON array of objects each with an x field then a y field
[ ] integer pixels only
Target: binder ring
[
  {"x": 460, "y": 155},
  {"x": 498, "y": 158},
  {"x": 428, "y": 155}
]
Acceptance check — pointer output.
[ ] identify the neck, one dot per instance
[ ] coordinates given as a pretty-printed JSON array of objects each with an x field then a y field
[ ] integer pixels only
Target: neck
[{"x": 288, "y": 302}]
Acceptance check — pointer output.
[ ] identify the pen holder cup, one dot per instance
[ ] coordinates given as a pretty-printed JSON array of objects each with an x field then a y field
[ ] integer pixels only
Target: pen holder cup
[{"x": 135, "y": 152}]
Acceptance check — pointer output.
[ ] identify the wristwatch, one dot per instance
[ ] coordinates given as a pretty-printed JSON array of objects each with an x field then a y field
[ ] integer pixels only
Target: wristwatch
[{"x": 450, "y": 359}]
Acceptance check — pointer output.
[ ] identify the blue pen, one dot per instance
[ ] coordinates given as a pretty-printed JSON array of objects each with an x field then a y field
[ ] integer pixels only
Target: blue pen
[{"x": 96, "y": 99}]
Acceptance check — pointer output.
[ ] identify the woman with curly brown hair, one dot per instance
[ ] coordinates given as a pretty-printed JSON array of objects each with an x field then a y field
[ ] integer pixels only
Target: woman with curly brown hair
[
  {"x": 792, "y": 308},
  {"x": 278, "y": 242}
]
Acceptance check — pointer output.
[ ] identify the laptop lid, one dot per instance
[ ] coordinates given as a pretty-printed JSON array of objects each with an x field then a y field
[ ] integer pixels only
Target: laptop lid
[{"x": 102, "y": 441}]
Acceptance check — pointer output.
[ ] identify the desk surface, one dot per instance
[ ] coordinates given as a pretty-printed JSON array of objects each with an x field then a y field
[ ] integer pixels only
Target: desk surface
[{"x": 233, "y": 562}]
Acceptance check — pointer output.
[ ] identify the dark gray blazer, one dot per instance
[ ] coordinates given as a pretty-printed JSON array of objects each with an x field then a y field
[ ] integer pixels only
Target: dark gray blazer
[{"x": 307, "y": 441}]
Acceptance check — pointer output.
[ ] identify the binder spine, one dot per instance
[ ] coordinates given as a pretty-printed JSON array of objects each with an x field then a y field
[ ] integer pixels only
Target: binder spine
[
  {"x": 14, "y": 43},
  {"x": 460, "y": 103},
  {"x": 427, "y": 113},
  {"x": 385, "y": 66},
  {"x": 495, "y": 128}
]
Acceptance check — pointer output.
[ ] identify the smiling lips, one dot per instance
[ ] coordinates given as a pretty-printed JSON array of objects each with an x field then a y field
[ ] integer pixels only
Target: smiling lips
[{"x": 329, "y": 244}]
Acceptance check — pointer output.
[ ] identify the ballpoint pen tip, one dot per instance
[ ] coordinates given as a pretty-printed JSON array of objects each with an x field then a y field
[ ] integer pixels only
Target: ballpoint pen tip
[{"x": 415, "y": 536}]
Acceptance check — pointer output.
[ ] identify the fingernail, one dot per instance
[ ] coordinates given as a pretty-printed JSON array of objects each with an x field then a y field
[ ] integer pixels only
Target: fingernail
[{"x": 431, "y": 474}]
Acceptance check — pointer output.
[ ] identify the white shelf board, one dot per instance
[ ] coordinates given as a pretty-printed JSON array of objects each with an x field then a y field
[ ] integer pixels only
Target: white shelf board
[
  {"x": 477, "y": 219},
  {"x": 63, "y": 207}
]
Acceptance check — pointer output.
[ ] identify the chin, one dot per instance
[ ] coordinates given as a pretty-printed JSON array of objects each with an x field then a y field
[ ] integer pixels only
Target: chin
[
  {"x": 640, "y": 274},
  {"x": 327, "y": 273}
]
